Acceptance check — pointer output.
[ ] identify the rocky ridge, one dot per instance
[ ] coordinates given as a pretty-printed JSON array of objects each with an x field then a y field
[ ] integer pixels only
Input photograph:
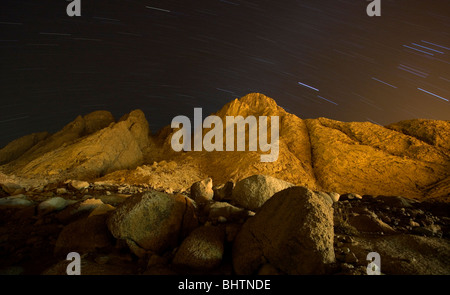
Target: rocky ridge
[
  {"x": 409, "y": 158},
  {"x": 122, "y": 197}
]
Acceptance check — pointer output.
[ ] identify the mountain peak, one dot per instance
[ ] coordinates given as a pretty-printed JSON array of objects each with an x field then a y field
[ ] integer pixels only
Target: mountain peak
[{"x": 256, "y": 104}]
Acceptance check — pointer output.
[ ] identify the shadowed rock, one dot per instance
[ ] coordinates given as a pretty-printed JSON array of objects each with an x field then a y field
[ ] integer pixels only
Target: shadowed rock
[{"x": 293, "y": 231}]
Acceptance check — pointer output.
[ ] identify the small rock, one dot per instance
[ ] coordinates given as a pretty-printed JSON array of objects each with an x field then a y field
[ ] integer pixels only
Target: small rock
[
  {"x": 334, "y": 196},
  {"x": 413, "y": 223},
  {"x": 78, "y": 209},
  {"x": 85, "y": 197},
  {"x": 351, "y": 258},
  {"x": 221, "y": 219},
  {"x": 231, "y": 230},
  {"x": 79, "y": 185},
  {"x": 345, "y": 250},
  {"x": 53, "y": 204},
  {"x": 201, "y": 191},
  {"x": 11, "y": 187},
  {"x": 61, "y": 191},
  {"x": 347, "y": 266},
  {"x": 17, "y": 201},
  {"x": 326, "y": 197},
  {"x": 223, "y": 209},
  {"x": 268, "y": 270},
  {"x": 348, "y": 239},
  {"x": 202, "y": 249},
  {"x": 223, "y": 191},
  {"x": 102, "y": 209},
  {"x": 350, "y": 196}
]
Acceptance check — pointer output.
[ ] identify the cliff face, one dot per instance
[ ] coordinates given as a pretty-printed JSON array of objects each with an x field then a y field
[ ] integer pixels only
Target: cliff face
[{"x": 409, "y": 158}]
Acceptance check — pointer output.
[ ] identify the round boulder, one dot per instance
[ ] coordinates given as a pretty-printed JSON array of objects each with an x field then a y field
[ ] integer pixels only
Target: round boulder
[
  {"x": 201, "y": 191},
  {"x": 252, "y": 192}
]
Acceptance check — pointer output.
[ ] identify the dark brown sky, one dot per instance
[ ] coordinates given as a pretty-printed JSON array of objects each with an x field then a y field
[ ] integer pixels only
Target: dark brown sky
[{"x": 315, "y": 58}]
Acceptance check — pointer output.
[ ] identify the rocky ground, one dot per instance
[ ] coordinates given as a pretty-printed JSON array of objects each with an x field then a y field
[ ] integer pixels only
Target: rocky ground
[{"x": 259, "y": 225}]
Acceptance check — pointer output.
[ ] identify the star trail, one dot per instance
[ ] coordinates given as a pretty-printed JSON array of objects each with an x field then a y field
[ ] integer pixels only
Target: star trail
[{"x": 315, "y": 58}]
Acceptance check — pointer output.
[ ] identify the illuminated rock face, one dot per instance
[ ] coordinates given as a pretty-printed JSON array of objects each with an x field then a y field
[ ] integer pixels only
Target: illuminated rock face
[
  {"x": 371, "y": 159},
  {"x": 409, "y": 158},
  {"x": 18, "y": 147},
  {"x": 88, "y": 147},
  {"x": 252, "y": 192}
]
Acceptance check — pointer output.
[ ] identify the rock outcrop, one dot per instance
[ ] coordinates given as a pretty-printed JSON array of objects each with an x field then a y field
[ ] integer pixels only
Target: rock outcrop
[
  {"x": 91, "y": 146},
  {"x": 18, "y": 147},
  {"x": 294, "y": 161},
  {"x": 370, "y": 159},
  {"x": 409, "y": 158}
]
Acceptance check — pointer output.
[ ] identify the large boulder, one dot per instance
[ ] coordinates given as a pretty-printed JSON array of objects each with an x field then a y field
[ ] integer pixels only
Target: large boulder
[
  {"x": 293, "y": 232},
  {"x": 202, "y": 249},
  {"x": 84, "y": 236},
  {"x": 252, "y": 192},
  {"x": 153, "y": 222}
]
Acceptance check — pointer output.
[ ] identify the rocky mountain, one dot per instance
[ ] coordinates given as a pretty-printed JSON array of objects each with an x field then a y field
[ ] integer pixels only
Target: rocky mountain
[
  {"x": 409, "y": 158},
  {"x": 124, "y": 199}
]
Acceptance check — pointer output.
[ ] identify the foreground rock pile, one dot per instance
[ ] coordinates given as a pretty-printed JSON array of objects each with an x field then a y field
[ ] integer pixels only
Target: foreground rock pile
[{"x": 259, "y": 225}]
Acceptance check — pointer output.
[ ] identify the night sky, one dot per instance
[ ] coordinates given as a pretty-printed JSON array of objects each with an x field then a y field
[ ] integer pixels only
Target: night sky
[{"x": 321, "y": 58}]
